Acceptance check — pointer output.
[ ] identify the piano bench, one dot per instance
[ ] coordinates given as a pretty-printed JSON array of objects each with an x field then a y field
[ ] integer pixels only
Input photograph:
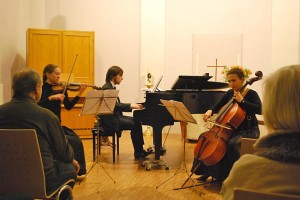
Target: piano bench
[{"x": 97, "y": 133}]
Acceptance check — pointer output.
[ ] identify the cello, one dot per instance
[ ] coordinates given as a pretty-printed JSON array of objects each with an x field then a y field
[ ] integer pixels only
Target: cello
[{"x": 212, "y": 144}]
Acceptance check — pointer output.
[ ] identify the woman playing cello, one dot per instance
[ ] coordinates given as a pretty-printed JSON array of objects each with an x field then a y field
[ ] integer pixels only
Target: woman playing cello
[{"x": 250, "y": 102}]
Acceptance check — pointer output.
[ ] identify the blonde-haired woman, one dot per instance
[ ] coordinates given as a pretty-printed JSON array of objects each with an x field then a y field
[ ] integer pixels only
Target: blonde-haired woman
[{"x": 276, "y": 164}]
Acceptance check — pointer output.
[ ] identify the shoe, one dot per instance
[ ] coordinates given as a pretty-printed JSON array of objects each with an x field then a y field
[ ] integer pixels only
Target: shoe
[
  {"x": 203, "y": 178},
  {"x": 143, "y": 154},
  {"x": 81, "y": 172}
]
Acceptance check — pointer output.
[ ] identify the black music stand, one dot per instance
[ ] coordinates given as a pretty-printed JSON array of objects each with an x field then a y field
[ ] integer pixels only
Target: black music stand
[
  {"x": 180, "y": 113},
  {"x": 99, "y": 102}
]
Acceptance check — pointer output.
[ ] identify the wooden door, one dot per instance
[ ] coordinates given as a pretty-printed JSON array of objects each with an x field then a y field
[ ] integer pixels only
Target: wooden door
[
  {"x": 79, "y": 43},
  {"x": 43, "y": 47},
  {"x": 60, "y": 47}
]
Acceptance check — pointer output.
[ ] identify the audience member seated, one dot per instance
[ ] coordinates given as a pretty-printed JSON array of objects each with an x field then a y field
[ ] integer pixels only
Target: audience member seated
[{"x": 22, "y": 112}]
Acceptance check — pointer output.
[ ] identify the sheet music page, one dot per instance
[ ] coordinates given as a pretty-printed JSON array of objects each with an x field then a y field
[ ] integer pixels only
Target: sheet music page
[
  {"x": 178, "y": 111},
  {"x": 99, "y": 102}
]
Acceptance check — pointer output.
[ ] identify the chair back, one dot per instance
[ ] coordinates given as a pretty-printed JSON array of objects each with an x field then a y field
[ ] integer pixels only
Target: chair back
[
  {"x": 246, "y": 194},
  {"x": 247, "y": 146},
  {"x": 21, "y": 167}
]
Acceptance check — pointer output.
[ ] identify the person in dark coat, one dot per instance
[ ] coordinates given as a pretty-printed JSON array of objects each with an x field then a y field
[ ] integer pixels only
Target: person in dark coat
[
  {"x": 22, "y": 112},
  {"x": 250, "y": 102},
  {"x": 118, "y": 122}
]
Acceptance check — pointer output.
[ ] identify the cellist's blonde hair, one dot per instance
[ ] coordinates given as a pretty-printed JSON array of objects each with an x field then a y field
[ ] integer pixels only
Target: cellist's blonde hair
[{"x": 281, "y": 99}]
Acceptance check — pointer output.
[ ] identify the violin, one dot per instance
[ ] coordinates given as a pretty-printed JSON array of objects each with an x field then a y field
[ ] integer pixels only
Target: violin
[
  {"x": 62, "y": 86},
  {"x": 212, "y": 144}
]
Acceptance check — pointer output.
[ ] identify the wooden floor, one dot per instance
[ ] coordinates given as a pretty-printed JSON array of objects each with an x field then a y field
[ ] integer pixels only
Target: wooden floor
[{"x": 133, "y": 182}]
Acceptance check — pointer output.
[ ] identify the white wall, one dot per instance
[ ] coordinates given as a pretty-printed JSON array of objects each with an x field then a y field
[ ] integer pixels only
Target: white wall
[
  {"x": 9, "y": 26},
  {"x": 152, "y": 41},
  {"x": 15, "y": 17},
  {"x": 116, "y": 24},
  {"x": 285, "y": 33}
]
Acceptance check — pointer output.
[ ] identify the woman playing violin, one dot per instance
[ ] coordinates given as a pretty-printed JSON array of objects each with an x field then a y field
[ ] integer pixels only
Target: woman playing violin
[
  {"x": 52, "y": 100},
  {"x": 250, "y": 102}
]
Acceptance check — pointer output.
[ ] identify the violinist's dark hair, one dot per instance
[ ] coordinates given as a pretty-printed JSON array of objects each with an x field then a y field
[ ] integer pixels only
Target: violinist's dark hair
[
  {"x": 48, "y": 69},
  {"x": 236, "y": 71},
  {"x": 24, "y": 82},
  {"x": 112, "y": 72}
]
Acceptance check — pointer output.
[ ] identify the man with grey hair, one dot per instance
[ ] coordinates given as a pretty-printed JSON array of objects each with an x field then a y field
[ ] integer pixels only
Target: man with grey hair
[{"x": 22, "y": 112}]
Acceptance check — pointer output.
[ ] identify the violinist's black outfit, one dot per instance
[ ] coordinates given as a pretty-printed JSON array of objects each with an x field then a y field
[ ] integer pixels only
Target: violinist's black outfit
[
  {"x": 248, "y": 129},
  {"x": 72, "y": 137},
  {"x": 118, "y": 122}
]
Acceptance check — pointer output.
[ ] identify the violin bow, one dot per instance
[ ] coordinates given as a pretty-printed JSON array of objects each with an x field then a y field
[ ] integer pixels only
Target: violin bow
[{"x": 70, "y": 74}]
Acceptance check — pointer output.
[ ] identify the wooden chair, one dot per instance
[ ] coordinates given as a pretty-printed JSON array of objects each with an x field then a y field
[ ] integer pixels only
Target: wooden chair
[
  {"x": 246, "y": 194},
  {"x": 247, "y": 146},
  {"x": 97, "y": 133},
  {"x": 21, "y": 168}
]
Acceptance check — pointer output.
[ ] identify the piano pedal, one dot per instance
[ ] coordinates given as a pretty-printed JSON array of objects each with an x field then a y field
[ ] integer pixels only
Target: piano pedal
[
  {"x": 151, "y": 148},
  {"x": 163, "y": 150},
  {"x": 148, "y": 165}
]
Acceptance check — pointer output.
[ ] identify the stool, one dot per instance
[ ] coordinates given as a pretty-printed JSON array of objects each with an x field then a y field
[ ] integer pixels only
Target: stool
[{"x": 97, "y": 133}]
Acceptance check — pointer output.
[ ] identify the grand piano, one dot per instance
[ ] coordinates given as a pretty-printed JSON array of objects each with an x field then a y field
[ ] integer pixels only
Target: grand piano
[{"x": 195, "y": 92}]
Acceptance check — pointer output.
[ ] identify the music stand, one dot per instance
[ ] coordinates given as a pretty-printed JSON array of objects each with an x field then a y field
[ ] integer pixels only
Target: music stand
[
  {"x": 99, "y": 102},
  {"x": 180, "y": 113}
]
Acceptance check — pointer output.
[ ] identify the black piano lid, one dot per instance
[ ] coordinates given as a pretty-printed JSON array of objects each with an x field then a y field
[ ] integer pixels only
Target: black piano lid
[{"x": 197, "y": 83}]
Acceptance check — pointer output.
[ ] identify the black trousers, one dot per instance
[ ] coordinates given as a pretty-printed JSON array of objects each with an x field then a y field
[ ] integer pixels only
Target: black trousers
[
  {"x": 136, "y": 132},
  {"x": 76, "y": 143}
]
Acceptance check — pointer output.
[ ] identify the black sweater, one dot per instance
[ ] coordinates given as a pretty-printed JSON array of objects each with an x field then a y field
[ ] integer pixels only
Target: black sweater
[
  {"x": 251, "y": 105},
  {"x": 54, "y": 105}
]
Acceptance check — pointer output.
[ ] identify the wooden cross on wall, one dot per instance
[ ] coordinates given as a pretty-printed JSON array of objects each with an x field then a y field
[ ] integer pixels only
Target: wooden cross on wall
[{"x": 216, "y": 69}]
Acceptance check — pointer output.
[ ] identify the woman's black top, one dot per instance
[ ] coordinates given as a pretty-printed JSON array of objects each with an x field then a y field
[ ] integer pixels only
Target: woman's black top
[
  {"x": 55, "y": 105},
  {"x": 251, "y": 105}
]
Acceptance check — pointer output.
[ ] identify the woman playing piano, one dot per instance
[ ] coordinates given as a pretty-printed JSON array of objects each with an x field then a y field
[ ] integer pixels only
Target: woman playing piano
[{"x": 251, "y": 104}]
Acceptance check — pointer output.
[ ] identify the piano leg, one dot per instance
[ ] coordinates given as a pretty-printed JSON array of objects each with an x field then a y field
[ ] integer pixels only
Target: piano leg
[{"x": 157, "y": 140}]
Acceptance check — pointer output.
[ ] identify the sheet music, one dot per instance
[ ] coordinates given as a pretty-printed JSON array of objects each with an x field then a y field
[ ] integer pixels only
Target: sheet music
[
  {"x": 178, "y": 111},
  {"x": 99, "y": 102},
  {"x": 157, "y": 84}
]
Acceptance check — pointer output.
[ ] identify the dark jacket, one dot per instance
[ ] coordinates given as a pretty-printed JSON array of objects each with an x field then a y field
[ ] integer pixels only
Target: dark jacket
[
  {"x": 24, "y": 113},
  {"x": 111, "y": 122}
]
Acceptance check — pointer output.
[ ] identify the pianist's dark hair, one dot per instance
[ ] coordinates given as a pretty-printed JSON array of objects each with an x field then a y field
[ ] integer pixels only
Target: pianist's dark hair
[
  {"x": 112, "y": 72},
  {"x": 236, "y": 71}
]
